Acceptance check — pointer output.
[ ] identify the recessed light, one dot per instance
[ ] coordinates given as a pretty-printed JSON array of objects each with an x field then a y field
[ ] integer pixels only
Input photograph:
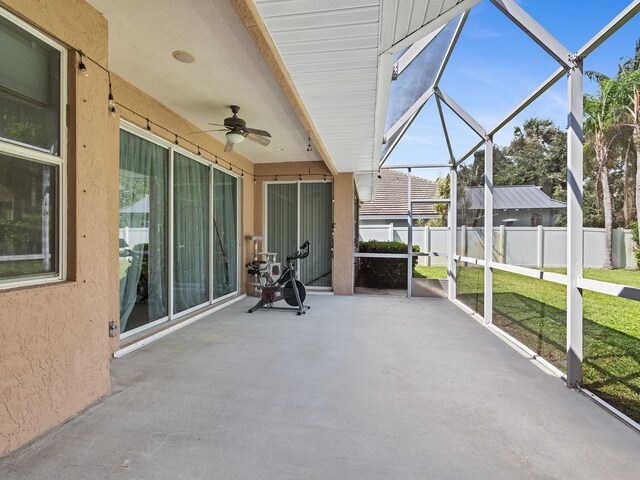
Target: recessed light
[
  {"x": 279, "y": 149},
  {"x": 184, "y": 56}
]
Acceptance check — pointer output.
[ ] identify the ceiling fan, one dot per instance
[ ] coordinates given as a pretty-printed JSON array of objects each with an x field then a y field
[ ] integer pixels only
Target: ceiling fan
[{"x": 237, "y": 131}]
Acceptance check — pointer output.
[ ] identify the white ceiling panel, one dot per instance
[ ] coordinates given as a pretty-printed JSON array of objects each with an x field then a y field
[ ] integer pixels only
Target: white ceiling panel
[{"x": 333, "y": 51}]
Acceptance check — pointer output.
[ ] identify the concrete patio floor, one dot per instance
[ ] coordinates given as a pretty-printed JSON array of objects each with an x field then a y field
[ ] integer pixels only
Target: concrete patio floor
[{"x": 359, "y": 388}]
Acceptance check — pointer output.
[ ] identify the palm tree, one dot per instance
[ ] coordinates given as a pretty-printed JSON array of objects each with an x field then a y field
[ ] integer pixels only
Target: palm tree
[
  {"x": 625, "y": 93},
  {"x": 601, "y": 118}
]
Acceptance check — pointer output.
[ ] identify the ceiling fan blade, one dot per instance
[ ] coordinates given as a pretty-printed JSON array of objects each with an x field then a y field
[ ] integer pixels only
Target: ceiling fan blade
[
  {"x": 218, "y": 125},
  {"x": 228, "y": 146},
  {"x": 207, "y": 131},
  {"x": 255, "y": 131},
  {"x": 258, "y": 139}
]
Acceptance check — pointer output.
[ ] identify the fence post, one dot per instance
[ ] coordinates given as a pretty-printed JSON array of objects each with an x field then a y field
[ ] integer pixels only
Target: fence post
[
  {"x": 427, "y": 243},
  {"x": 126, "y": 235},
  {"x": 540, "y": 245},
  {"x": 464, "y": 241}
]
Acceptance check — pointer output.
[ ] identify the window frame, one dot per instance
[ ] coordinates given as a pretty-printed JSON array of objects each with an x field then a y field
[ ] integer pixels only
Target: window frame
[{"x": 38, "y": 155}]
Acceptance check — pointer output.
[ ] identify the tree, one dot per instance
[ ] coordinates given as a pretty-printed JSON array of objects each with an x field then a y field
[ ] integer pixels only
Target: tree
[
  {"x": 538, "y": 152},
  {"x": 625, "y": 93},
  {"x": 601, "y": 120},
  {"x": 443, "y": 190}
]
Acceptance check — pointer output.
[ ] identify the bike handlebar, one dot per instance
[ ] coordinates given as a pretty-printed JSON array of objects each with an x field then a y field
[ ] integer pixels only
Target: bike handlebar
[{"x": 302, "y": 253}]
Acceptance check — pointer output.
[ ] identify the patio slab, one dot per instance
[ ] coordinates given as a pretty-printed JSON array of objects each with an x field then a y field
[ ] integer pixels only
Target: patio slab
[{"x": 359, "y": 388}]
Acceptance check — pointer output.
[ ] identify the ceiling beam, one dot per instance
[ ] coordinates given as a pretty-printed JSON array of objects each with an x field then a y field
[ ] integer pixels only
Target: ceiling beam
[
  {"x": 254, "y": 24},
  {"x": 534, "y": 30}
]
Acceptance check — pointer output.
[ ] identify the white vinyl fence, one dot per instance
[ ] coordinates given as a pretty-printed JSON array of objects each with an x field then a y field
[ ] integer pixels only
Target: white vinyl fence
[
  {"x": 524, "y": 246},
  {"x": 134, "y": 236}
]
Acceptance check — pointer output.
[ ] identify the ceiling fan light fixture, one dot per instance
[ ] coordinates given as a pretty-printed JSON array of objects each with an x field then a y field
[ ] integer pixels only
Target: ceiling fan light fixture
[{"x": 235, "y": 137}]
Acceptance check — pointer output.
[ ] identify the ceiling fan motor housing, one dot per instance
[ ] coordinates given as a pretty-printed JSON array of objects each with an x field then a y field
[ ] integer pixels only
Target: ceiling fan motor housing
[{"x": 235, "y": 122}]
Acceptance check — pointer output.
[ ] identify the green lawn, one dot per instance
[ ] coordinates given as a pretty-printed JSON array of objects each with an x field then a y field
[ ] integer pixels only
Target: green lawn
[
  {"x": 437, "y": 273},
  {"x": 16, "y": 269},
  {"x": 534, "y": 312}
]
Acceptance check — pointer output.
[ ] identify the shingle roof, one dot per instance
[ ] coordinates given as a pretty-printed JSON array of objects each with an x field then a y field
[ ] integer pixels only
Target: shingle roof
[
  {"x": 391, "y": 195},
  {"x": 511, "y": 197}
]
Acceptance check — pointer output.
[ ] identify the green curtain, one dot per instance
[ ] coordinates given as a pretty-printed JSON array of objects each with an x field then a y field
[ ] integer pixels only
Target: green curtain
[
  {"x": 143, "y": 220},
  {"x": 191, "y": 233},
  {"x": 282, "y": 219},
  {"x": 316, "y": 218},
  {"x": 225, "y": 234}
]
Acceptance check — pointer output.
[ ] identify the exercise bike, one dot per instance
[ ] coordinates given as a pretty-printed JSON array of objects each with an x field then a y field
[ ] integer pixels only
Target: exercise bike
[{"x": 286, "y": 287}]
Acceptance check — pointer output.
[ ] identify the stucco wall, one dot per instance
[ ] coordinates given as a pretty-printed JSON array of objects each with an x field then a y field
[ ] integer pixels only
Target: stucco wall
[
  {"x": 345, "y": 217},
  {"x": 54, "y": 347},
  {"x": 54, "y": 344}
]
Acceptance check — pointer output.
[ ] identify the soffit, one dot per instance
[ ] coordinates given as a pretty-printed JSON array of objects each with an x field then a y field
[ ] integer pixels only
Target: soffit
[
  {"x": 335, "y": 52},
  {"x": 229, "y": 69}
]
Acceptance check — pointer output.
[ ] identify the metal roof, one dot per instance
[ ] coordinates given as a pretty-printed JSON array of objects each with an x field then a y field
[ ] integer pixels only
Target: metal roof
[{"x": 511, "y": 197}]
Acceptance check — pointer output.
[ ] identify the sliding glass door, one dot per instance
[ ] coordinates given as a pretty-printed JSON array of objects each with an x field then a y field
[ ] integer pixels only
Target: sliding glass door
[
  {"x": 190, "y": 233},
  {"x": 225, "y": 234},
  {"x": 297, "y": 212},
  {"x": 316, "y": 225},
  {"x": 178, "y": 231},
  {"x": 143, "y": 232}
]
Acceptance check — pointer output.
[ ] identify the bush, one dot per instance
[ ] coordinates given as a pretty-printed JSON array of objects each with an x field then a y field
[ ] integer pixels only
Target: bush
[
  {"x": 384, "y": 272},
  {"x": 636, "y": 248}
]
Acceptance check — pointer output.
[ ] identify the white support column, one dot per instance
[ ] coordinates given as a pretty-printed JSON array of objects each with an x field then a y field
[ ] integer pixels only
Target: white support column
[
  {"x": 503, "y": 244},
  {"x": 488, "y": 229},
  {"x": 453, "y": 231},
  {"x": 574, "y": 225},
  {"x": 409, "y": 235},
  {"x": 391, "y": 232}
]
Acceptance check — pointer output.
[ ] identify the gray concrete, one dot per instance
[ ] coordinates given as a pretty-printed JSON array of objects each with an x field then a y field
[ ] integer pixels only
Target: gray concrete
[{"x": 359, "y": 388}]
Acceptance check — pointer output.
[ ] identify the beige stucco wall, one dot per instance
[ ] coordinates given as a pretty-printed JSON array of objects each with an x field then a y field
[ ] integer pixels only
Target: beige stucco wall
[
  {"x": 345, "y": 217},
  {"x": 54, "y": 344},
  {"x": 54, "y": 348}
]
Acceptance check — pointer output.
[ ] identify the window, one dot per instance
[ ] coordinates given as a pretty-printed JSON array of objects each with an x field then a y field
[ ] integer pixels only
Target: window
[
  {"x": 178, "y": 246},
  {"x": 32, "y": 156}
]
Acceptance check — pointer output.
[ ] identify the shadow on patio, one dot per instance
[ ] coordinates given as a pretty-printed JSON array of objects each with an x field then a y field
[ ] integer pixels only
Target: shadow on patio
[{"x": 360, "y": 387}]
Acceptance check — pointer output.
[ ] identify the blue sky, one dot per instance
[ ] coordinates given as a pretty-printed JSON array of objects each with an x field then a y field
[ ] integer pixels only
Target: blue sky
[{"x": 495, "y": 66}]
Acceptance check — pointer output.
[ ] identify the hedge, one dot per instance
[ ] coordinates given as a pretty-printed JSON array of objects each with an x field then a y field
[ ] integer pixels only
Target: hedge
[{"x": 384, "y": 272}]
